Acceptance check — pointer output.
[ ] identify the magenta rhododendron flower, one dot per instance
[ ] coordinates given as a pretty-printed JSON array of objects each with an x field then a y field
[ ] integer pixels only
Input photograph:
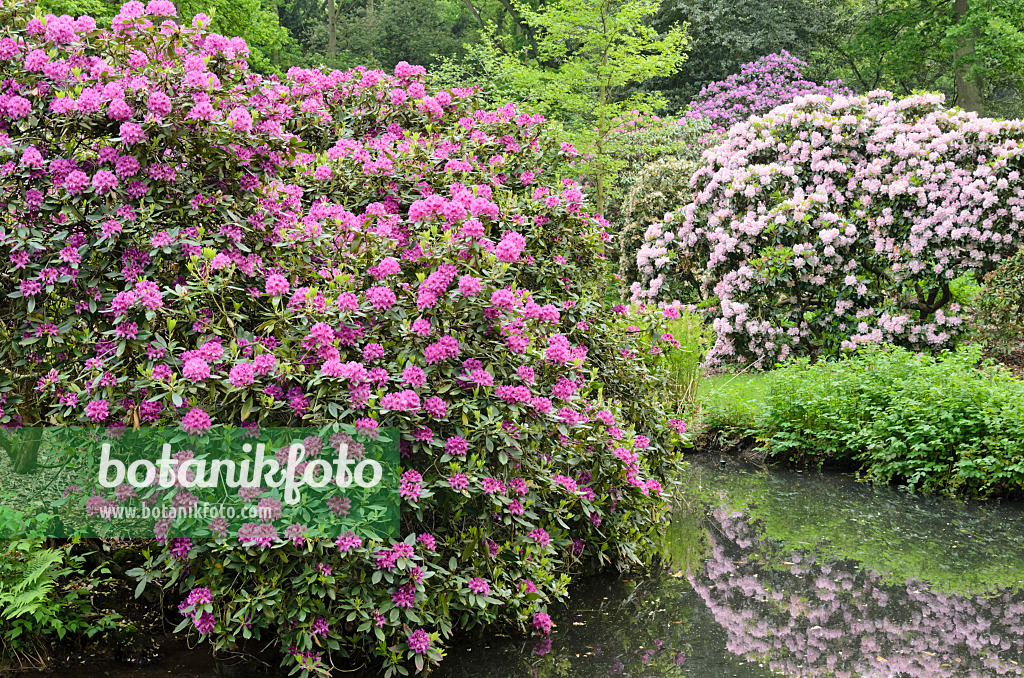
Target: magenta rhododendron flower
[
  {"x": 196, "y": 369},
  {"x": 196, "y": 421},
  {"x": 97, "y": 410},
  {"x": 276, "y": 285},
  {"x": 419, "y": 641},
  {"x": 542, "y": 622}
]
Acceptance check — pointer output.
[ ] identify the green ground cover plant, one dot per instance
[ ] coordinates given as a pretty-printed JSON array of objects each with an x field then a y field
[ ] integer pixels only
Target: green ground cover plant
[{"x": 952, "y": 423}]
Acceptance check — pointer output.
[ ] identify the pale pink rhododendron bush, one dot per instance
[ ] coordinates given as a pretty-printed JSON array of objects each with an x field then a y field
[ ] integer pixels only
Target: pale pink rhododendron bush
[
  {"x": 828, "y": 224},
  {"x": 190, "y": 243}
]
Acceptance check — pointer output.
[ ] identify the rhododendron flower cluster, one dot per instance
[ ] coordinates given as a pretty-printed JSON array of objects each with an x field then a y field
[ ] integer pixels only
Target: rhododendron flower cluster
[
  {"x": 829, "y": 224},
  {"x": 759, "y": 87},
  {"x": 191, "y": 244}
]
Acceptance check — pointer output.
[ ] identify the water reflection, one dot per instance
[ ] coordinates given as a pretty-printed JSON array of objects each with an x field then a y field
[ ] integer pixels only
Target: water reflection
[
  {"x": 806, "y": 617},
  {"x": 769, "y": 596}
]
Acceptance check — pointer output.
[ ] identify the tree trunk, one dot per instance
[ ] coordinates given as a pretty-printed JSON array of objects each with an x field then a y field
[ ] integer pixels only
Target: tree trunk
[
  {"x": 520, "y": 26},
  {"x": 276, "y": 57},
  {"x": 968, "y": 90},
  {"x": 23, "y": 448},
  {"x": 332, "y": 33}
]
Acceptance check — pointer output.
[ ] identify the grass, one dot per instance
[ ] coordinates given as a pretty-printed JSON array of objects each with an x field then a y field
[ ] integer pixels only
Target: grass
[{"x": 732, "y": 401}]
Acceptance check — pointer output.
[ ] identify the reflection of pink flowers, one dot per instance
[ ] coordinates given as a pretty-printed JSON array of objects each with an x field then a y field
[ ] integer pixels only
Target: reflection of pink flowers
[
  {"x": 845, "y": 626},
  {"x": 542, "y": 622}
]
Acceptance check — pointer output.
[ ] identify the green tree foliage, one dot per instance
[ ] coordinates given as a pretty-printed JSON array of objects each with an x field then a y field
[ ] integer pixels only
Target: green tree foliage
[
  {"x": 588, "y": 54},
  {"x": 416, "y": 30},
  {"x": 97, "y": 9},
  {"x": 970, "y": 50},
  {"x": 254, "y": 20},
  {"x": 381, "y": 33},
  {"x": 726, "y": 34},
  {"x": 503, "y": 24}
]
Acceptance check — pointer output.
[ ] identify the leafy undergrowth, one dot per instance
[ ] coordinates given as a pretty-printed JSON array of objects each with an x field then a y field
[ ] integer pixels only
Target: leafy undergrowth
[{"x": 952, "y": 424}]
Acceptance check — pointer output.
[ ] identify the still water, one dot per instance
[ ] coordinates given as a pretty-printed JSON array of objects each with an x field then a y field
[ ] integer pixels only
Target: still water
[
  {"x": 798, "y": 575},
  {"x": 785, "y": 574}
]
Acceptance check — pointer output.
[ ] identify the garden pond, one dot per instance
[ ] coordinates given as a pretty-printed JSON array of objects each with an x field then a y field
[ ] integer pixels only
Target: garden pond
[{"x": 798, "y": 574}]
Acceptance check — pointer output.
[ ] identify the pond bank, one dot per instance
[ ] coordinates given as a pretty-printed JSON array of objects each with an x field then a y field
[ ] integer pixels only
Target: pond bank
[{"x": 952, "y": 424}]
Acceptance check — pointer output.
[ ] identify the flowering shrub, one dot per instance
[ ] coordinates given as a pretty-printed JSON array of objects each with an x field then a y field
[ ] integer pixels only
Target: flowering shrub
[
  {"x": 192, "y": 244},
  {"x": 790, "y": 609},
  {"x": 759, "y": 87},
  {"x": 829, "y": 224}
]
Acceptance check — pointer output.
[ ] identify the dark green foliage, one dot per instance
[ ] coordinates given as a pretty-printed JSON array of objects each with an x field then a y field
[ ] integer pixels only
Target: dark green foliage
[
  {"x": 415, "y": 30},
  {"x": 660, "y": 157},
  {"x": 908, "y": 45},
  {"x": 654, "y": 190},
  {"x": 1000, "y": 305}
]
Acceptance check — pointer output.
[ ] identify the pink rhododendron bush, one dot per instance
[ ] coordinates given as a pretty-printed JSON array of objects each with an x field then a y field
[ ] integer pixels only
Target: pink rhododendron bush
[
  {"x": 828, "y": 224},
  {"x": 188, "y": 243},
  {"x": 759, "y": 87}
]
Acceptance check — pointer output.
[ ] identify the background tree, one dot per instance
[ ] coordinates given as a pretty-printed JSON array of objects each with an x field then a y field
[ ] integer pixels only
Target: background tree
[
  {"x": 725, "y": 34},
  {"x": 588, "y": 53},
  {"x": 971, "y": 50}
]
